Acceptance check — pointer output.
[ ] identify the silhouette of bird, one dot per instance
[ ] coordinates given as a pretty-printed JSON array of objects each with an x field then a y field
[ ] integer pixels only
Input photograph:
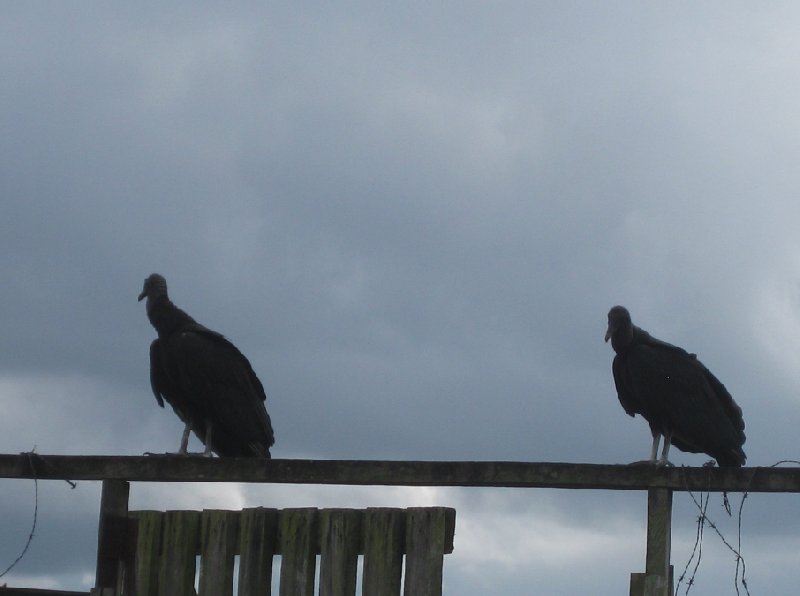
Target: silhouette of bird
[
  {"x": 208, "y": 382},
  {"x": 679, "y": 397}
]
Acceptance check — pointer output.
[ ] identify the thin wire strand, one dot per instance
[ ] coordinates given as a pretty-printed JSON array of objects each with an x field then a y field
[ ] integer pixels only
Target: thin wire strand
[
  {"x": 704, "y": 519},
  {"x": 702, "y": 506},
  {"x": 698, "y": 542},
  {"x": 701, "y": 525},
  {"x": 35, "y": 516}
]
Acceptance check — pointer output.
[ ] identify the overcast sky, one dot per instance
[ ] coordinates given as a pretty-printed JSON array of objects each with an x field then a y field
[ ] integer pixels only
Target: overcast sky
[{"x": 413, "y": 219}]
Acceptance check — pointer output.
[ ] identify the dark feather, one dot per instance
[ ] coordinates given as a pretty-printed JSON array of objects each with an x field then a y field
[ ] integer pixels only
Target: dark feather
[
  {"x": 208, "y": 382},
  {"x": 675, "y": 393},
  {"x": 158, "y": 380}
]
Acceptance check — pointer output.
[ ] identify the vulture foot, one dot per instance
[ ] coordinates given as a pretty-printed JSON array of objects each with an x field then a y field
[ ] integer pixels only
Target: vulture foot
[
  {"x": 195, "y": 454},
  {"x": 179, "y": 454},
  {"x": 652, "y": 462}
]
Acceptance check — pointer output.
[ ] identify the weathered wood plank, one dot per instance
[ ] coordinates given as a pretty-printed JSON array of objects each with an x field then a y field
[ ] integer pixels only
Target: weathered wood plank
[
  {"x": 384, "y": 544},
  {"x": 148, "y": 551},
  {"x": 659, "y": 532},
  {"x": 449, "y": 529},
  {"x": 111, "y": 534},
  {"x": 426, "y": 530},
  {"x": 400, "y": 473},
  {"x": 643, "y": 584},
  {"x": 297, "y": 533},
  {"x": 258, "y": 531},
  {"x": 179, "y": 547},
  {"x": 636, "y": 586},
  {"x": 657, "y": 579},
  {"x": 340, "y": 544},
  {"x": 218, "y": 546},
  {"x": 6, "y": 591}
]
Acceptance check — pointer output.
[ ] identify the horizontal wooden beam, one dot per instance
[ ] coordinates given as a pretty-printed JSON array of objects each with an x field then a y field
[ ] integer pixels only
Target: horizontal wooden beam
[
  {"x": 6, "y": 591},
  {"x": 171, "y": 468}
]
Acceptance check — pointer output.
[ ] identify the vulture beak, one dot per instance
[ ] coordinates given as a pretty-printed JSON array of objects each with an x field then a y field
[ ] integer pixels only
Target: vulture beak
[
  {"x": 609, "y": 332},
  {"x": 142, "y": 295}
]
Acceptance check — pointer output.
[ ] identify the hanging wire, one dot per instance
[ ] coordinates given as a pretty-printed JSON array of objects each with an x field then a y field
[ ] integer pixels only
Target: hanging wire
[
  {"x": 31, "y": 454},
  {"x": 35, "y": 515},
  {"x": 703, "y": 519},
  {"x": 740, "y": 576},
  {"x": 697, "y": 550}
]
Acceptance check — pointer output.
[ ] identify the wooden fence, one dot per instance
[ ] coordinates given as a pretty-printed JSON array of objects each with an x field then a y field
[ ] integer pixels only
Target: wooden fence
[
  {"x": 659, "y": 482},
  {"x": 156, "y": 553}
]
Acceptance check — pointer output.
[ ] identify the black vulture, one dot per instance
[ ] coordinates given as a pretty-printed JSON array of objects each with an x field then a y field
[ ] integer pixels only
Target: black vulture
[
  {"x": 206, "y": 379},
  {"x": 678, "y": 396}
]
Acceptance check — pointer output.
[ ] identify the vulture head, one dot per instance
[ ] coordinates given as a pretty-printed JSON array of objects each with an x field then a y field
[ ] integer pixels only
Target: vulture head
[
  {"x": 155, "y": 286},
  {"x": 620, "y": 327}
]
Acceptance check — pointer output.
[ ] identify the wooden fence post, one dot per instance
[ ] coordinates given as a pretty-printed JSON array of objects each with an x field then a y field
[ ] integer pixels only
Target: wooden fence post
[
  {"x": 657, "y": 578},
  {"x": 111, "y": 534}
]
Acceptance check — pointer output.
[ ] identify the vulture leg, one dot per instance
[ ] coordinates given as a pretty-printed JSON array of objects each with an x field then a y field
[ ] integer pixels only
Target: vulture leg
[
  {"x": 665, "y": 450},
  {"x": 653, "y": 452},
  {"x": 184, "y": 440},
  {"x": 654, "y": 448},
  {"x": 209, "y": 428},
  {"x": 184, "y": 443}
]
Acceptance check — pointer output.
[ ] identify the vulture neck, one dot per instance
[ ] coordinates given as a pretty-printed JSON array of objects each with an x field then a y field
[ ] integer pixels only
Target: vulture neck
[
  {"x": 164, "y": 316},
  {"x": 623, "y": 338}
]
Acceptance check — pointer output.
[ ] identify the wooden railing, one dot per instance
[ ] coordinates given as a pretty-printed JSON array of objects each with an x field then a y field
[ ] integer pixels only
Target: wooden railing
[
  {"x": 660, "y": 482},
  {"x": 162, "y": 468},
  {"x": 5, "y": 591}
]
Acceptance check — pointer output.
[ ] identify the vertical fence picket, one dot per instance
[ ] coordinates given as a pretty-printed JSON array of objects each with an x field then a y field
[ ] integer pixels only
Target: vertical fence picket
[
  {"x": 298, "y": 545},
  {"x": 148, "y": 551},
  {"x": 426, "y": 529},
  {"x": 258, "y": 530},
  {"x": 384, "y": 543},
  {"x": 340, "y": 542},
  {"x": 179, "y": 547},
  {"x": 219, "y": 535}
]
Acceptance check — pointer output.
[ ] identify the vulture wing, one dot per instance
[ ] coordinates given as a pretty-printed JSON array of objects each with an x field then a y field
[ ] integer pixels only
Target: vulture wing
[
  {"x": 221, "y": 388},
  {"x": 627, "y": 397},
  {"x": 681, "y": 396},
  {"x": 158, "y": 380},
  {"x": 167, "y": 387}
]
